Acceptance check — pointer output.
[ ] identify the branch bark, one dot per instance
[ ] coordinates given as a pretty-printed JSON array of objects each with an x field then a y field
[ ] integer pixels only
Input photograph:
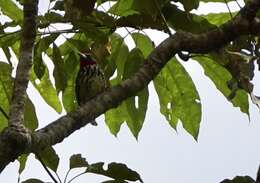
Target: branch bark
[
  {"x": 16, "y": 138},
  {"x": 244, "y": 23}
]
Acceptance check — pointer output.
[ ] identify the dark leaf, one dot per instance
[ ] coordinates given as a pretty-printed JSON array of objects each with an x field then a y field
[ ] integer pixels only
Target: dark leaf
[
  {"x": 77, "y": 161},
  {"x": 50, "y": 158},
  {"x": 117, "y": 171},
  {"x": 33, "y": 181},
  {"x": 41, "y": 46},
  {"x": 59, "y": 70},
  {"x": 239, "y": 179}
]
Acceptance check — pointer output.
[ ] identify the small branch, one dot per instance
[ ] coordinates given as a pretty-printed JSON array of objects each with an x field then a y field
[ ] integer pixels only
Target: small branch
[
  {"x": 258, "y": 175},
  {"x": 4, "y": 113},
  {"x": 45, "y": 167},
  {"x": 76, "y": 176}
]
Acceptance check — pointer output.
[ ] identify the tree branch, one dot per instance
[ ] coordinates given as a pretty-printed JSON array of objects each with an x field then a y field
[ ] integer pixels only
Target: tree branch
[
  {"x": 15, "y": 139},
  {"x": 243, "y": 23},
  {"x": 25, "y": 62}
]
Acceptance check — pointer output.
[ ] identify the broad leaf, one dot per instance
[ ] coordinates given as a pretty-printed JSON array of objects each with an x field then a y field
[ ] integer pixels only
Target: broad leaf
[
  {"x": 68, "y": 95},
  {"x": 22, "y": 160},
  {"x": 46, "y": 89},
  {"x": 178, "y": 97},
  {"x": 136, "y": 109},
  {"x": 9, "y": 8},
  {"x": 41, "y": 46},
  {"x": 115, "y": 117},
  {"x": 59, "y": 70},
  {"x": 126, "y": 7},
  {"x": 117, "y": 171},
  {"x": 50, "y": 158},
  {"x": 143, "y": 43},
  {"x": 77, "y": 161},
  {"x": 5, "y": 92},
  {"x": 220, "y": 77},
  {"x": 6, "y": 85}
]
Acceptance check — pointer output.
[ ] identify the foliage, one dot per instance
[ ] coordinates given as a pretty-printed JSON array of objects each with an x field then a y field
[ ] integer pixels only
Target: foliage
[{"x": 95, "y": 27}]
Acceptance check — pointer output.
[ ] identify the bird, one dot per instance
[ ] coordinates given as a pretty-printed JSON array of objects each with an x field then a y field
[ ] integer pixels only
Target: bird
[{"x": 90, "y": 80}]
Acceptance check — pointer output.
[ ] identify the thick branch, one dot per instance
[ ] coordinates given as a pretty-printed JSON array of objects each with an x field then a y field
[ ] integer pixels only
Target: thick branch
[
  {"x": 25, "y": 62},
  {"x": 243, "y": 23},
  {"x": 15, "y": 139}
]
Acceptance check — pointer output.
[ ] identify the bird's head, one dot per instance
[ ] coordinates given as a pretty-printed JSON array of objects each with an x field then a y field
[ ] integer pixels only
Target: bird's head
[{"x": 86, "y": 59}]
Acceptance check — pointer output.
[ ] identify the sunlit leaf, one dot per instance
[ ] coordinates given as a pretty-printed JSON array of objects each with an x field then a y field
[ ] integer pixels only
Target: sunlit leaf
[
  {"x": 178, "y": 97},
  {"x": 47, "y": 91},
  {"x": 68, "y": 95},
  {"x": 9, "y": 8},
  {"x": 143, "y": 43},
  {"x": 220, "y": 76},
  {"x": 136, "y": 109}
]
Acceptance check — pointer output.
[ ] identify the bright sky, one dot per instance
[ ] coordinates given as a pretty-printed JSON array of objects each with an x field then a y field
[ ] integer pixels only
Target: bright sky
[{"x": 228, "y": 143}]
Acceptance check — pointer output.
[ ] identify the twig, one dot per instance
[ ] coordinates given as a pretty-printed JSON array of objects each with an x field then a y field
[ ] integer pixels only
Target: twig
[
  {"x": 228, "y": 9},
  {"x": 45, "y": 167},
  {"x": 76, "y": 177},
  {"x": 163, "y": 18},
  {"x": 4, "y": 113}
]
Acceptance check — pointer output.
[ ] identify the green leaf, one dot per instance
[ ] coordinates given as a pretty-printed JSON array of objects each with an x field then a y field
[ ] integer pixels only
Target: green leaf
[
  {"x": 9, "y": 8},
  {"x": 180, "y": 20},
  {"x": 33, "y": 181},
  {"x": 116, "y": 117},
  {"x": 5, "y": 91},
  {"x": 126, "y": 7},
  {"x": 50, "y": 158},
  {"x": 77, "y": 161},
  {"x": 220, "y": 76},
  {"x": 114, "y": 181},
  {"x": 41, "y": 46},
  {"x": 22, "y": 160},
  {"x": 6, "y": 85},
  {"x": 143, "y": 43},
  {"x": 190, "y": 4},
  {"x": 218, "y": 18},
  {"x": 9, "y": 40},
  {"x": 59, "y": 70},
  {"x": 30, "y": 117},
  {"x": 178, "y": 97},
  {"x": 117, "y": 171},
  {"x": 136, "y": 110},
  {"x": 46, "y": 89},
  {"x": 68, "y": 95}
]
